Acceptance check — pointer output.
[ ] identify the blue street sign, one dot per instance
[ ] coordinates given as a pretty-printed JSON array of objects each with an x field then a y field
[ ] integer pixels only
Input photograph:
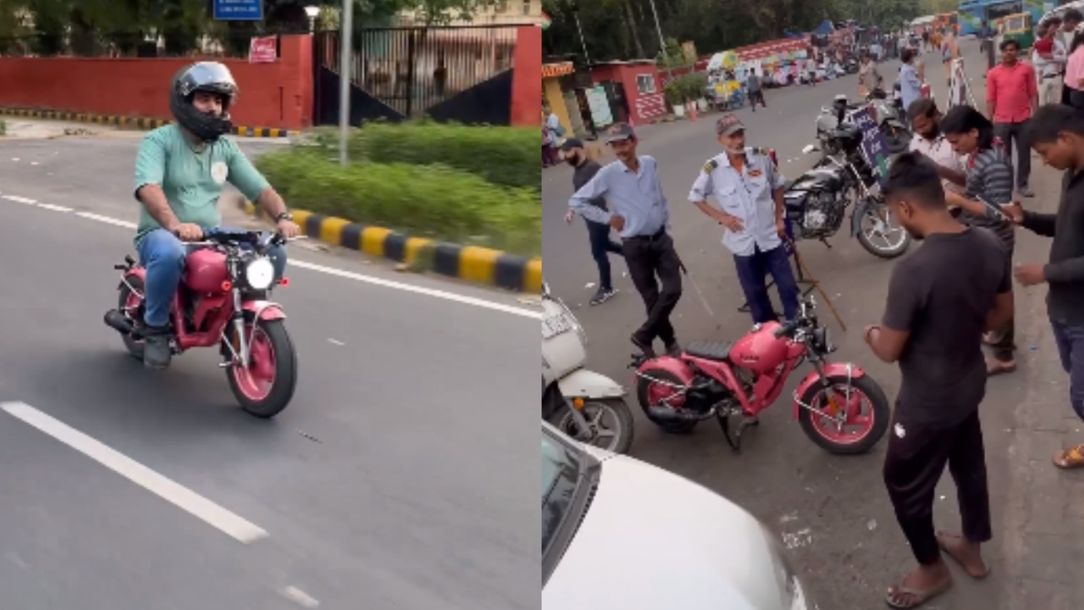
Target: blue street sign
[{"x": 238, "y": 10}]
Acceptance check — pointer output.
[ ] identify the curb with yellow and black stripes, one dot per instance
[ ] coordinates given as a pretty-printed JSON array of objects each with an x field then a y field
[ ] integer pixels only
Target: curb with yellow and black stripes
[
  {"x": 468, "y": 263},
  {"x": 133, "y": 122}
]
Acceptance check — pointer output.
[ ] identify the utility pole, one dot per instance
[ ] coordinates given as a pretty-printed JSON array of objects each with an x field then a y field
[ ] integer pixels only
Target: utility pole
[
  {"x": 658, "y": 28},
  {"x": 579, "y": 28},
  {"x": 344, "y": 77}
]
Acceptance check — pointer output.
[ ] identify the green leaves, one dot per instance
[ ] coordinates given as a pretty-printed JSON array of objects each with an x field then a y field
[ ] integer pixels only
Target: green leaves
[{"x": 469, "y": 185}]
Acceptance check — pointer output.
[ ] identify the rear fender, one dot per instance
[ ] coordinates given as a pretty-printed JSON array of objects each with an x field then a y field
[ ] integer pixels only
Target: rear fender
[
  {"x": 675, "y": 366},
  {"x": 832, "y": 369},
  {"x": 264, "y": 310}
]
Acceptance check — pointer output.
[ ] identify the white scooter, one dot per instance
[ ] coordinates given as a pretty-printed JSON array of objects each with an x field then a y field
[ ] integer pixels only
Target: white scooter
[{"x": 583, "y": 404}]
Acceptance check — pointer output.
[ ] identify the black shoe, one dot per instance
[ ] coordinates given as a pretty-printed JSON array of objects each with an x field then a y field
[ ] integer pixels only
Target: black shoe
[
  {"x": 642, "y": 345},
  {"x": 603, "y": 295},
  {"x": 673, "y": 349},
  {"x": 156, "y": 350}
]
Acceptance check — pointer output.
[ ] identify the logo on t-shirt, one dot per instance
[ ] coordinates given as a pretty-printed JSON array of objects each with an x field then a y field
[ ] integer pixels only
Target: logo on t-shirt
[{"x": 219, "y": 171}]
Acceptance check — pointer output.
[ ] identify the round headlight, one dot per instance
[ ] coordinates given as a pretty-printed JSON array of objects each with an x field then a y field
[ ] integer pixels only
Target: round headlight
[{"x": 260, "y": 273}]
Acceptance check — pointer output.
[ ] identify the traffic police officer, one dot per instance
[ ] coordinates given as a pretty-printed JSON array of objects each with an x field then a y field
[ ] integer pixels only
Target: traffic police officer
[{"x": 748, "y": 190}]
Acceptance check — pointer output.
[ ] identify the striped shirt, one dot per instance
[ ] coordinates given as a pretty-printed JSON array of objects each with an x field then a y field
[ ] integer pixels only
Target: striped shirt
[{"x": 990, "y": 178}]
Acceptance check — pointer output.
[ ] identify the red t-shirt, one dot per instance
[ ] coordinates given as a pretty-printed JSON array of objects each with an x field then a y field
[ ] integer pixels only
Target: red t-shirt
[{"x": 1010, "y": 90}]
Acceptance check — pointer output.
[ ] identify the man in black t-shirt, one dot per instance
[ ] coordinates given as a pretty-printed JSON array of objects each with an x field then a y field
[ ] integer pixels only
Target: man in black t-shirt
[
  {"x": 601, "y": 244},
  {"x": 933, "y": 324}
]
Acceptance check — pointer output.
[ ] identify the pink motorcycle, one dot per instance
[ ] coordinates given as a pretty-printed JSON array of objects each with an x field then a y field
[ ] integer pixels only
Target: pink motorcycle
[
  {"x": 222, "y": 301},
  {"x": 839, "y": 406}
]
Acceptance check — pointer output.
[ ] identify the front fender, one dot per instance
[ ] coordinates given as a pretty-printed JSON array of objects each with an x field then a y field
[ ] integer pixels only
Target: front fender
[
  {"x": 860, "y": 211},
  {"x": 583, "y": 383},
  {"x": 832, "y": 369},
  {"x": 264, "y": 310}
]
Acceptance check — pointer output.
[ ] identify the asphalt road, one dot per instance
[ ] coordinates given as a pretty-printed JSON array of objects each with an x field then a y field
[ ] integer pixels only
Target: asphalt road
[
  {"x": 402, "y": 475},
  {"x": 831, "y": 512}
]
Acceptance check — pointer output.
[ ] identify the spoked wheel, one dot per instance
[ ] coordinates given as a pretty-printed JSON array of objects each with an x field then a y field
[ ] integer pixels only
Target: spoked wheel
[
  {"x": 657, "y": 387},
  {"x": 853, "y": 414},
  {"x": 609, "y": 420},
  {"x": 881, "y": 234},
  {"x": 130, "y": 303},
  {"x": 267, "y": 385}
]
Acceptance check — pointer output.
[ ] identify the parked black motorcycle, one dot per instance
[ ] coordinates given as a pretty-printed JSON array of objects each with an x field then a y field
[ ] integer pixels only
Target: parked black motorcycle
[{"x": 817, "y": 201}]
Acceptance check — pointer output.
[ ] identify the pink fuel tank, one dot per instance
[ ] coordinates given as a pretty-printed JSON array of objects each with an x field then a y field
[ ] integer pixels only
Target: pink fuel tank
[
  {"x": 205, "y": 270},
  {"x": 760, "y": 350}
]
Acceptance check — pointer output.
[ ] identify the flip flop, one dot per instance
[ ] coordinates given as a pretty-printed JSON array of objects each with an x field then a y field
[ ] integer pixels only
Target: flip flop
[
  {"x": 1070, "y": 458},
  {"x": 997, "y": 367},
  {"x": 944, "y": 547},
  {"x": 918, "y": 597}
]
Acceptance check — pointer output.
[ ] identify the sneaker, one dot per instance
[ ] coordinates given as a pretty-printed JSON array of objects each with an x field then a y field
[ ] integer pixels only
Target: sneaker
[
  {"x": 156, "y": 349},
  {"x": 1026, "y": 191},
  {"x": 603, "y": 295}
]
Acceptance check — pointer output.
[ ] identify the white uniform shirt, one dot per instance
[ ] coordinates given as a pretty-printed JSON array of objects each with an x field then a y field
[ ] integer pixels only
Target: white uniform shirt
[
  {"x": 746, "y": 195},
  {"x": 942, "y": 154}
]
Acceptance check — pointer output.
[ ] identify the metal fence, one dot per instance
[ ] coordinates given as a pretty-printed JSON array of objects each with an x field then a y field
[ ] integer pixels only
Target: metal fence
[{"x": 411, "y": 69}]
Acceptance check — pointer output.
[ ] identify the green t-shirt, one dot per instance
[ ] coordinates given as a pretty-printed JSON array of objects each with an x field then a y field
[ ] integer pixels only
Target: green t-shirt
[{"x": 191, "y": 180}]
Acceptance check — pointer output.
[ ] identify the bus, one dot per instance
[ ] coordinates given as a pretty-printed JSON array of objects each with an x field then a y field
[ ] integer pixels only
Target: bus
[{"x": 973, "y": 12}]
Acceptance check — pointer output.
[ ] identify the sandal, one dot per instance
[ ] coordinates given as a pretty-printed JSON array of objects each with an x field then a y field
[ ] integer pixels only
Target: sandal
[
  {"x": 999, "y": 367},
  {"x": 906, "y": 597},
  {"x": 1070, "y": 458}
]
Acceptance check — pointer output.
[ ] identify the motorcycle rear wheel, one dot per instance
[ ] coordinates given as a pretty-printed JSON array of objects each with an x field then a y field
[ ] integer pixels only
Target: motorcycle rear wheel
[
  {"x": 267, "y": 386},
  {"x": 131, "y": 305},
  {"x": 648, "y": 391}
]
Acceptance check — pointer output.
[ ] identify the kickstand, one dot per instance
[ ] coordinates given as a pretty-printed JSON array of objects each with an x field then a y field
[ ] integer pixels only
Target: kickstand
[{"x": 735, "y": 440}]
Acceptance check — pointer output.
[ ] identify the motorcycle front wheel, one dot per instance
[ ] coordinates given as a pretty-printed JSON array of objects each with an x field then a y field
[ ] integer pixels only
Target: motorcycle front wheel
[
  {"x": 880, "y": 234},
  {"x": 610, "y": 422},
  {"x": 267, "y": 385},
  {"x": 865, "y": 414}
]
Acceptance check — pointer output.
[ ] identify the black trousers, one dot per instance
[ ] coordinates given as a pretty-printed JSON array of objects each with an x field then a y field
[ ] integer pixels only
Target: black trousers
[
  {"x": 648, "y": 258},
  {"x": 913, "y": 466}
]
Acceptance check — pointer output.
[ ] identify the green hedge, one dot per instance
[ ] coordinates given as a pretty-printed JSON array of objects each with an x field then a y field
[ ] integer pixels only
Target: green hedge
[
  {"x": 502, "y": 155},
  {"x": 422, "y": 200}
]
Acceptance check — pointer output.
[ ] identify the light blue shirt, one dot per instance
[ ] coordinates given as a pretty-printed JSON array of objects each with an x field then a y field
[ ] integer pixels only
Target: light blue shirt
[
  {"x": 910, "y": 86},
  {"x": 635, "y": 196},
  {"x": 746, "y": 195}
]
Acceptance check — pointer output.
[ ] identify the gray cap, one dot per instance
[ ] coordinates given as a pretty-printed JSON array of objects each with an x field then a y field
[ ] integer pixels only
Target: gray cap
[{"x": 618, "y": 132}]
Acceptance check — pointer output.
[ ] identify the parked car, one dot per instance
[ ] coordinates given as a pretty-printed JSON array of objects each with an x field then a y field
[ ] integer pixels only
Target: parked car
[{"x": 621, "y": 533}]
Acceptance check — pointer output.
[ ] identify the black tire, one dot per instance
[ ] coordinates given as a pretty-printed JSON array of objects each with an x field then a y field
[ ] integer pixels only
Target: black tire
[
  {"x": 897, "y": 139},
  {"x": 642, "y": 385},
  {"x": 881, "y": 415},
  {"x": 282, "y": 389},
  {"x": 618, "y": 409},
  {"x": 879, "y": 251},
  {"x": 134, "y": 346}
]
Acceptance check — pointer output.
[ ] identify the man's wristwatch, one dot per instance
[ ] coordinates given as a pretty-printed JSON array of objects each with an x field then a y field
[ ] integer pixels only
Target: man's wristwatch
[{"x": 284, "y": 216}]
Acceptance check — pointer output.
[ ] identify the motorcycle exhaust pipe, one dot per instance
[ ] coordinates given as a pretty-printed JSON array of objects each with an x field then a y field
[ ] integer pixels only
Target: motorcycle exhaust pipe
[
  {"x": 116, "y": 320},
  {"x": 668, "y": 414}
]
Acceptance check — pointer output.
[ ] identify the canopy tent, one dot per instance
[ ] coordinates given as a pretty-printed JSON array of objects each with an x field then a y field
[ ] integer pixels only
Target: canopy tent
[{"x": 824, "y": 28}]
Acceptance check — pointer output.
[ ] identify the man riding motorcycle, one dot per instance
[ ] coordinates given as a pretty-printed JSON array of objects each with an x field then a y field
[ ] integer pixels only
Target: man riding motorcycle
[{"x": 180, "y": 171}]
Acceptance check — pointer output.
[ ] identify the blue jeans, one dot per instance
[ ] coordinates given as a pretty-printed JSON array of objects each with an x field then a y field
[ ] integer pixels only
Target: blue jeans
[
  {"x": 163, "y": 255},
  {"x": 752, "y": 271},
  {"x": 601, "y": 247},
  {"x": 1070, "y": 340}
]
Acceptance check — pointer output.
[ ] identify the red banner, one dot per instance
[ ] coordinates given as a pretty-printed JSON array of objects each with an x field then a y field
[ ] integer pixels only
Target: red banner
[{"x": 262, "y": 50}]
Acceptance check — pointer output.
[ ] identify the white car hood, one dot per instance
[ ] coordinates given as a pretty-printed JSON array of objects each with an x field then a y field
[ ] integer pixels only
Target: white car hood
[{"x": 652, "y": 540}]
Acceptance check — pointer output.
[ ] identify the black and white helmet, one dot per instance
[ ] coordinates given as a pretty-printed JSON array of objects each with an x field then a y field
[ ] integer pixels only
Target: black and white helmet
[{"x": 209, "y": 76}]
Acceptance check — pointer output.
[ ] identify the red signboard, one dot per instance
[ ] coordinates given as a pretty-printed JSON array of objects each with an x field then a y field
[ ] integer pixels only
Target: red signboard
[{"x": 262, "y": 50}]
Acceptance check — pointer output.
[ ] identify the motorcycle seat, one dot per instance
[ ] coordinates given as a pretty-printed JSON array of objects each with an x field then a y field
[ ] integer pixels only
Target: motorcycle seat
[{"x": 710, "y": 350}]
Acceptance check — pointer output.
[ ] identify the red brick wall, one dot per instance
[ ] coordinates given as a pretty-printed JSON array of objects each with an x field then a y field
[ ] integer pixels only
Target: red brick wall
[{"x": 276, "y": 94}]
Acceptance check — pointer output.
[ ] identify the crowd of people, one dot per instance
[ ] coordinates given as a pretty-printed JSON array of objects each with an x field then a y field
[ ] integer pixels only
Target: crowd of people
[{"x": 958, "y": 192}]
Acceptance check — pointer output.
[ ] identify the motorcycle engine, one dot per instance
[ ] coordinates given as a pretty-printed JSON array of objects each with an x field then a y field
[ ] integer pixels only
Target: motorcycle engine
[{"x": 822, "y": 215}]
